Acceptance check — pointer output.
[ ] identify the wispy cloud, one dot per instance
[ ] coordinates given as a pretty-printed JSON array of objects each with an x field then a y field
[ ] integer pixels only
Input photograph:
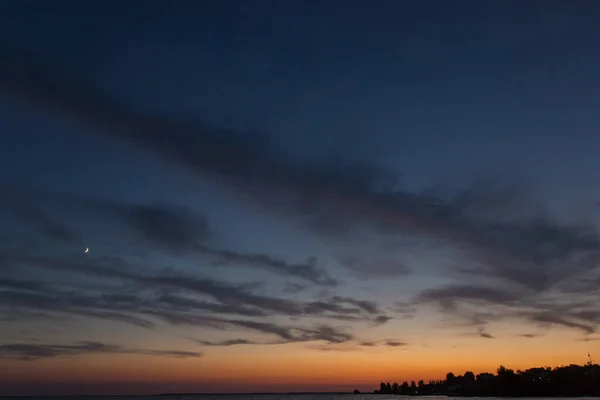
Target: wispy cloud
[
  {"x": 395, "y": 343},
  {"x": 334, "y": 348},
  {"x": 376, "y": 268},
  {"x": 35, "y": 351},
  {"x": 386, "y": 342},
  {"x": 502, "y": 234},
  {"x": 283, "y": 334},
  {"x": 308, "y": 271},
  {"x": 170, "y": 227},
  {"x": 486, "y": 335},
  {"x": 538, "y": 307},
  {"x": 529, "y": 335},
  {"x": 174, "y": 299}
]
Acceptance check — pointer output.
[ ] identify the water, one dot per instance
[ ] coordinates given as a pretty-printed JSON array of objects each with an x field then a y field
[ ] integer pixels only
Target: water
[{"x": 316, "y": 396}]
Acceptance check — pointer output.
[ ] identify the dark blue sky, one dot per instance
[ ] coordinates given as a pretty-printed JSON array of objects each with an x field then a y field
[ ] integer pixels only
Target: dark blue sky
[{"x": 297, "y": 171}]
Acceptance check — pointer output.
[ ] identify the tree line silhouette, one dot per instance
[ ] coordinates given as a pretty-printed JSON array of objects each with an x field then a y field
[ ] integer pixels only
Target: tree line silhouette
[{"x": 565, "y": 381}]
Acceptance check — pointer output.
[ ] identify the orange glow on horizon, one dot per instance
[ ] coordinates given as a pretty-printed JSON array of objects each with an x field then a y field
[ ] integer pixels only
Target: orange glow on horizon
[{"x": 258, "y": 368}]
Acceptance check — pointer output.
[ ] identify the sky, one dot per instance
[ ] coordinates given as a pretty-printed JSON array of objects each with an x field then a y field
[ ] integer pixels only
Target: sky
[{"x": 295, "y": 195}]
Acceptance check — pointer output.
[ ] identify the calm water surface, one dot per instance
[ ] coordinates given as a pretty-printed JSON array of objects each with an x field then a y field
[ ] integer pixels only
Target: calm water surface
[{"x": 321, "y": 396}]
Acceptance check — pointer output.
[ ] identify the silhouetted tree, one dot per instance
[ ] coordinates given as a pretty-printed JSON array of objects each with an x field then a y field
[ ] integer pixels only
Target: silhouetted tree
[
  {"x": 469, "y": 377},
  {"x": 567, "y": 381},
  {"x": 404, "y": 389},
  {"x": 413, "y": 387},
  {"x": 450, "y": 378}
]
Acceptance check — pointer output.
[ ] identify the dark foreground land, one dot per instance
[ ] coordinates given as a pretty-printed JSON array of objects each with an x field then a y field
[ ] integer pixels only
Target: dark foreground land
[{"x": 568, "y": 381}]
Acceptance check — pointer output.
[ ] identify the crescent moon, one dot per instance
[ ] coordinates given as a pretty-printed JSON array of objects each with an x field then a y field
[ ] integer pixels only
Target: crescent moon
[{"x": 86, "y": 250}]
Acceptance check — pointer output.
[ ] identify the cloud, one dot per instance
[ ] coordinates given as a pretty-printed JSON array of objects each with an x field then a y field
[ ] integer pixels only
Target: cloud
[
  {"x": 21, "y": 284},
  {"x": 386, "y": 342},
  {"x": 478, "y": 304},
  {"x": 327, "y": 189},
  {"x": 563, "y": 319},
  {"x": 308, "y": 271},
  {"x": 334, "y": 348},
  {"x": 590, "y": 339},
  {"x": 529, "y": 335},
  {"x": 170, "y": 298},
  {"x": 31, "y": 352},
  {"x": 13, "y": 302},
  {"x": 446, "y": 296},
  {"x": 368, "y": 344},
  {"x": 136, "y": 311},
  {"x": 490, "y": 219},
  {"x": 231, "y": 298},
  {"x": 503, "y": 235},
  {"x": 484, "y": 334},
  {"x": 395, "y": 343},
  {"x": 174, "y": 228},
  {"x": 366, "y": 305},
  {"x": 283, "y": 333},
  {"x": 227, "y": 343},
  {"x": 46, "y": 226},
  {"x": 381, "y": 319},
  {"x": 336, "y": 187},
  {"x": 376, "y": 268},
  {"x": 293, "y": 288},
  {"x": 183, "y": 303},
  {"x": 165, "y": 224}
]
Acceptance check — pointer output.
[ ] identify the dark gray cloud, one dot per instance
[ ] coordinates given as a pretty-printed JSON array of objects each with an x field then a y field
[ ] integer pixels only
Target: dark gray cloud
[
  {"x": 530, "y": 335},
  {"x": 69, "y": 303},
  {"x": 227, "y": 343},
  {"x": 365, "y": 305},
  {"x": 482, "y": 333},
  {"x": 326, "y": 333},
  {"x": 27, "y": 211},
  {"x": 293, "y": 288},
  {"x": 407, "y": 310},
  {"x": 184, "y": 303},
  {"x": 501, "y": 233},
  {"x": 225, "y": 293},
  {"x": 386, "y": 342},
  {"x": 568, "y": 320},
  {"x": 558, "y": 309},
  {"x": 282, "y": 333},
  {"x": 473, "y": 215},
  {"x": 381, "y": 319},
  {"x": 308, "y": 271},
  {"x": 167, "y": 297},
  {"x": 590, "y": 339},
  {"x": 172, "y": 228},
  {"x": 166, "y": 224},
  {"x": 446, "y": 296},
  {"x": 21, "y": 284},
  {"x": 368, "y": 344},
  {"x": 35, "y": 351},
  {"x": 143, "y": 312},
  {"x": 496, "y": 226},
  {"x": 321, "y": 307},
  {"x": 376, "y": 268},
  {"x": 334, "y": 348},
  {"x": 323, "y": 187},
  {"x": 395, "y": 343},
  {"x": 233, "y": 298}
]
